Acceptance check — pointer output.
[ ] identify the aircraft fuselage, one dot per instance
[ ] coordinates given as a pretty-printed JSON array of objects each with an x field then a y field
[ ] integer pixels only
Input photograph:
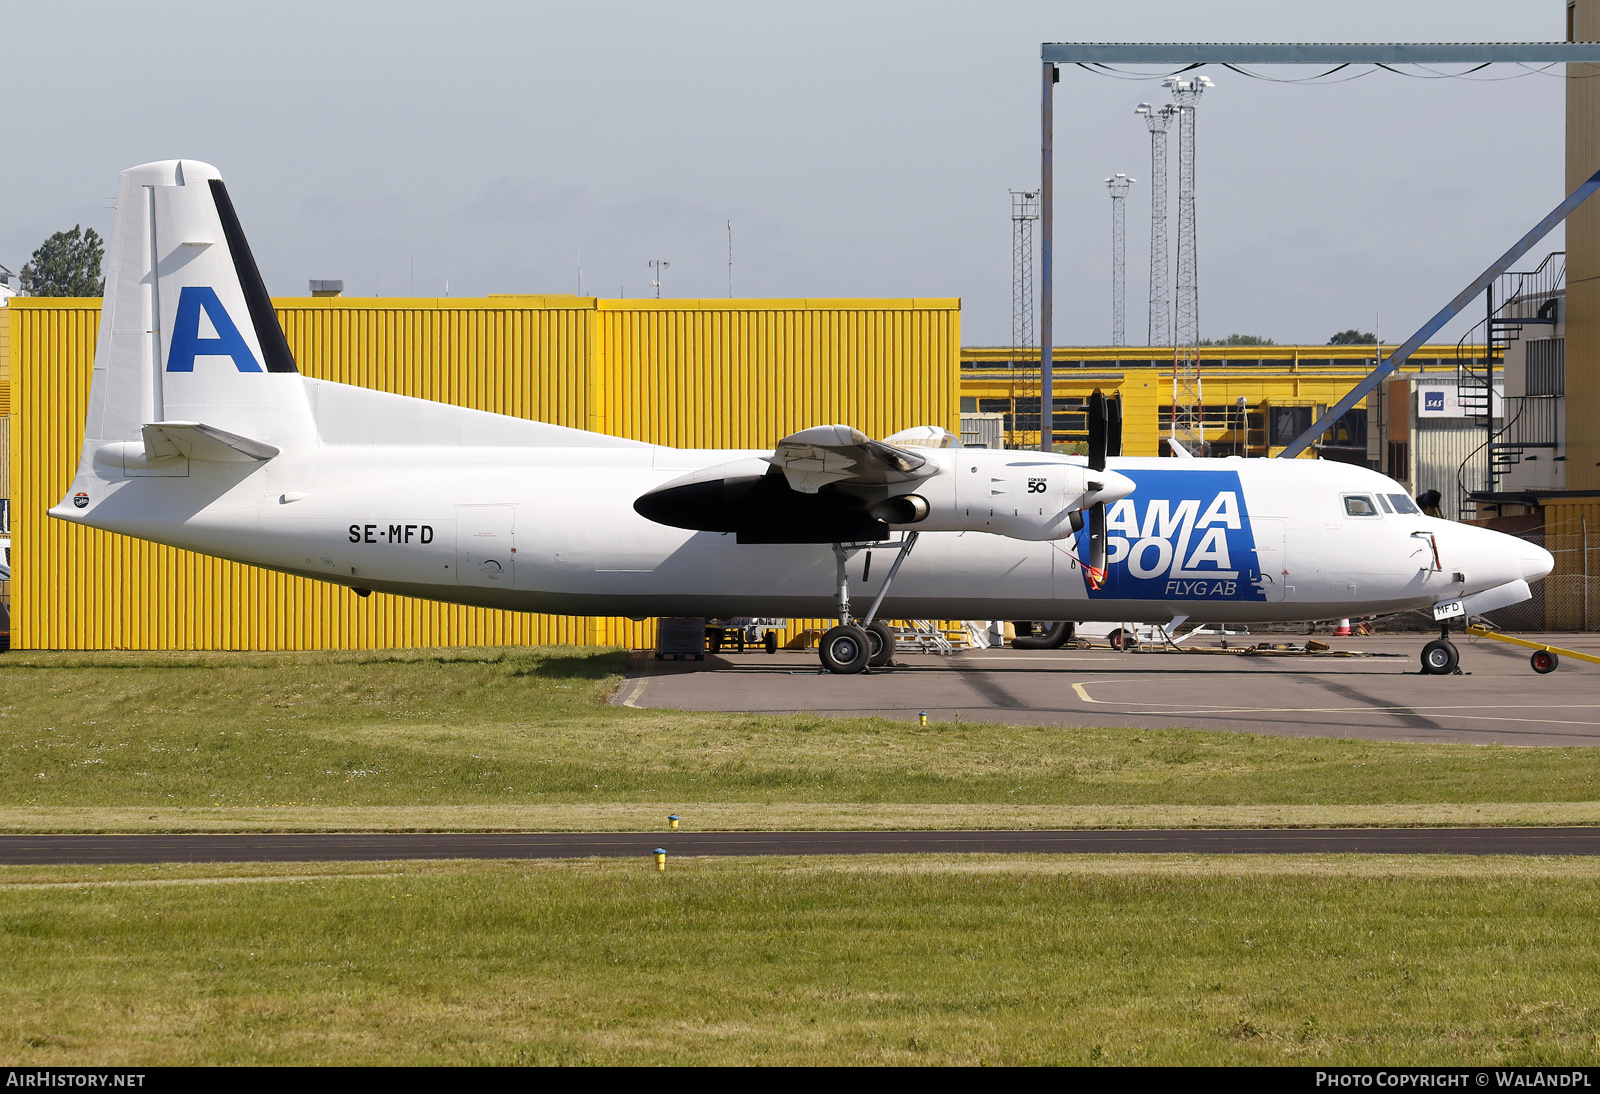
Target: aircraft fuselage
[{"x": 553, "y": 530}]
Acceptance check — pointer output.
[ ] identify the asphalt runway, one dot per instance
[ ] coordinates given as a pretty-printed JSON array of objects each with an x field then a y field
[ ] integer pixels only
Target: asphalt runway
[
  {"x": 1498, "y": 699},
  {"x": 373, "y": 847}
]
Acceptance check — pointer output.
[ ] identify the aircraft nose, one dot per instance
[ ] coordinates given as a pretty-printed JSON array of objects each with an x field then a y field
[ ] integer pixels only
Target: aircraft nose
[{"x": 1536, "y": 562}]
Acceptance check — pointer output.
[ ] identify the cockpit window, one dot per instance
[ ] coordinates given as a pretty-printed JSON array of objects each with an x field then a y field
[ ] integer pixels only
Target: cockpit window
[
  {"x": 1384, "y": 502},
  {"x": 1359, "y": 505},
  {"x": 1404, "y": 504}
]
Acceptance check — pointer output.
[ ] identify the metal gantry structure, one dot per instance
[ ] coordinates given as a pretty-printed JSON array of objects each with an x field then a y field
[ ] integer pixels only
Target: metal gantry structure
[
  {"x": 1188, "y": 403},
  {"x": 1101, "y": 55},
  {"x": 1118, "y": 185},
  {"x": 1158, "y": 122},
  {"x": 1024, "y": 224}
]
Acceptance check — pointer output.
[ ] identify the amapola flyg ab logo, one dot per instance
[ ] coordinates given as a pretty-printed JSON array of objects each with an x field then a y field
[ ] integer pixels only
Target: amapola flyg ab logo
[{"x": 1182, "y": 535}]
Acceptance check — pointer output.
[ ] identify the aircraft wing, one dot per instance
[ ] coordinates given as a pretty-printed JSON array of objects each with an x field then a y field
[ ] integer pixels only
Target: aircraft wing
[{"x": 826, "y": 454}]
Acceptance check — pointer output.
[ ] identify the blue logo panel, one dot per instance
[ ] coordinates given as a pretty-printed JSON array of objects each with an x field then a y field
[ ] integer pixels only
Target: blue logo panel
[
  {"x": 1182, "y": 535},
  {"x": 187, "y": 343}
]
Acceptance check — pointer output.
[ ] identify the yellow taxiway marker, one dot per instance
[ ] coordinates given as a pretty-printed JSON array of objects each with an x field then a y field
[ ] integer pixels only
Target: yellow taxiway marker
[{"x": 1485, "y": 632}]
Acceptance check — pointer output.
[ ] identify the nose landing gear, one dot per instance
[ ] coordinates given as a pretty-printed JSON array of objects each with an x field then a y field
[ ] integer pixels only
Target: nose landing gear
[{"x": 1440, "y": 657}]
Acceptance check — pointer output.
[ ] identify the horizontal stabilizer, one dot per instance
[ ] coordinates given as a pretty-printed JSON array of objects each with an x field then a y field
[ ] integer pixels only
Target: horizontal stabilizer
[
  {"x": 827, "y": 454},
  {"x": 206, "y": 443}
]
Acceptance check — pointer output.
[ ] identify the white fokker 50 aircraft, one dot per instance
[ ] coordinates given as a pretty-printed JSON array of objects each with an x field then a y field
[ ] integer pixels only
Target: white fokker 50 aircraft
[{"x": 201, "y": 434}]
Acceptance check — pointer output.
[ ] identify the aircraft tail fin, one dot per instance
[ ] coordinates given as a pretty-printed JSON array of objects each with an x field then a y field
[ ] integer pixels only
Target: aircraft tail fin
[{"x": 187, "y": 331}]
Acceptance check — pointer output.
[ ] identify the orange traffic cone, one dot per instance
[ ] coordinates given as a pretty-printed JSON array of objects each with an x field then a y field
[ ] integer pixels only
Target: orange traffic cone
[{"x": 1343, "y": 629}]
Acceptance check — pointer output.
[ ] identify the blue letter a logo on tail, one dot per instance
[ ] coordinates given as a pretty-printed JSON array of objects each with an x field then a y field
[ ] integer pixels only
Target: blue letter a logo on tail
[{"x": 187, "y": 343}]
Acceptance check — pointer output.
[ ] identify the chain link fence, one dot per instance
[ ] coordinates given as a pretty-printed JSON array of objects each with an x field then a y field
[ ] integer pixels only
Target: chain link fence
[{"x": 1568, "y": 599}]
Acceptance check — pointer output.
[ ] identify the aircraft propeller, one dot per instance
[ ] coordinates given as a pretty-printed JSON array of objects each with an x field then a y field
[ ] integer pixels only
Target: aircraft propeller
[{"x": 1105, "y": 438}]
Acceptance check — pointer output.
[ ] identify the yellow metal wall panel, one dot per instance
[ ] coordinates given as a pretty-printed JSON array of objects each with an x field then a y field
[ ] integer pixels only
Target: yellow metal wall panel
[
  {"x": 5, "y": 457},
  {"x": 5, "y": 362},
  {"x": 697, "y": 373},
  {"x": 1583, "y": 263},
  {"x": 1572, "y": 591},
  {"x": 722, "y": 374}
]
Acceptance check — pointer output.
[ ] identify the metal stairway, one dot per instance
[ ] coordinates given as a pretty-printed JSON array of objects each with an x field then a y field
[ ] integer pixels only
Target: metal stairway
[
  {"x": 1528, "y": 298},
  {"x": 927, "y": 636}
]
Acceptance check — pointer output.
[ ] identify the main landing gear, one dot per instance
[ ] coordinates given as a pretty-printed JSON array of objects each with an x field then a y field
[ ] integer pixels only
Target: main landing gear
[
  {"x": 853, "y": 647},
  {"x": 1440, "y": 657}
]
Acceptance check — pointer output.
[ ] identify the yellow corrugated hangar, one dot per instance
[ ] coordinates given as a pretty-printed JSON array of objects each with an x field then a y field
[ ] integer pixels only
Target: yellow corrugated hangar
[
  {"x": 1283, "y": 388},
  {"x": 688, "y": 373}
]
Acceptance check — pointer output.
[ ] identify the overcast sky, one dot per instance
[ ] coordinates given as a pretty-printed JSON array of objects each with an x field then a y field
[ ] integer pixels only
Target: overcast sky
[{"x": 859, "y": 149}]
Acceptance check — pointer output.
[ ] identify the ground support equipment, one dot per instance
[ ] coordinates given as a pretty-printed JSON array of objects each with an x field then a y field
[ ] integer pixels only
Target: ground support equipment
[{"x": 1545, "y": 658}]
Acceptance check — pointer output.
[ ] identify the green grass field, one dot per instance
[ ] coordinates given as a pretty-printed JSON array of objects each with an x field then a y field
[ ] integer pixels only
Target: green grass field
[
  {"x": 981, "y": 959},
  {"x": 491, "y": 736},
  {"x": 1021, "y": 959}
]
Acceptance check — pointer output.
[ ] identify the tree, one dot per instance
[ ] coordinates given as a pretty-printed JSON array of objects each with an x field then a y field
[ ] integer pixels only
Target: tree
[
  {"x": 1239, "y": 340},
  {"x": 66, "y": 264},
  {"x": 1353, "y": 337}
]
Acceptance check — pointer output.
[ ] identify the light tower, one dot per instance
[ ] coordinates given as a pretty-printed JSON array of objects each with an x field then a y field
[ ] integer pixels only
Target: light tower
[
  {"x": 1024, "y": 373},
  {"x": 1188, "y": 411},
  {"x": 1158, "y": 122},
  {"x": 1118, "y": 185}
]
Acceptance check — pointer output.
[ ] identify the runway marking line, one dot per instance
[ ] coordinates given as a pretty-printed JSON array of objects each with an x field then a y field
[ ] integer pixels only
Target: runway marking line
[
  {"x": 632, "y": 689},
  {"x": 167, "y": 881},
  {"x": 1176, "y": 708}
]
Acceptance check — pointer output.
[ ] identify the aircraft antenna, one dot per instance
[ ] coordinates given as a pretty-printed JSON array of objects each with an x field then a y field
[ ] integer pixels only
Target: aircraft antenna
[
  {"x": 1024, "y": 379},
  {"x": 1118, "y": 185},
  {"x": 1158, "y": 122},
  {"x": 1188, "y": 426},
  {"x": 657, "y": 265}
]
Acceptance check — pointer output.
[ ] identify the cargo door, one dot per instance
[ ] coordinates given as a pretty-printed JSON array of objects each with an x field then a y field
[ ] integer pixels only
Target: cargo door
[
  {"x": 486, "y": 548},
  {"x": 1272, "y": 559}
]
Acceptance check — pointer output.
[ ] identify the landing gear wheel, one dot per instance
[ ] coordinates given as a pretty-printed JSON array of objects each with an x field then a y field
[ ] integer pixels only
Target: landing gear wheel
[
  {"x": 844, "y": 650},
  {"x": 1041, "y": 636},
  {"x": 1544, "y": 661},
  {"x": 1439, "y": 658},
  {"x": 770, "y": 641},
  {"x": 881, "y": 641},
  {"x": 1122, "y": 640}
]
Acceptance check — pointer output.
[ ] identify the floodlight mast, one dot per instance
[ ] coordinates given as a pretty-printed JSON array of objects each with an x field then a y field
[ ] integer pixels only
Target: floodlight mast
[
  {"x": 1118, "y": 186},
  {"x": 1024, "y": 385},
  {"x": 1188, "y": 403},
  {"x": 1158, "y": 122}
]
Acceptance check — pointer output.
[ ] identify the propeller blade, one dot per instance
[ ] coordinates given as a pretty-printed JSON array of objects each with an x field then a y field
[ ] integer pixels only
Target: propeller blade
[
  {"x": 1097, "y": 431},
  {"x": 1096, "y": 566},
  {"x": 1114, "y": 426}
]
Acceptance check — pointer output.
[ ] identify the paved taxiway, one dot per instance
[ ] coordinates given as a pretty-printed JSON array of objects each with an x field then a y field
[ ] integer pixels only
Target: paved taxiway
[
  {"x": 368, "y": 847},
  {"x": 1498, "y": 699}
]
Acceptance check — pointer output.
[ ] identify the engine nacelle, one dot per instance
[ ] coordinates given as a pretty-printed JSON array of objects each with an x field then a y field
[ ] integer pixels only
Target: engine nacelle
[{"x": 1023, "y": 495}]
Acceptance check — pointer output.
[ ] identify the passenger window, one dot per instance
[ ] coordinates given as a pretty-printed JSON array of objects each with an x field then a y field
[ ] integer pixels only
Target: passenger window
[
  {"x": 1404, "y": 504},
  {"x": 1383, "y": 501},
  {"x": 1359, "y": 505}
]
